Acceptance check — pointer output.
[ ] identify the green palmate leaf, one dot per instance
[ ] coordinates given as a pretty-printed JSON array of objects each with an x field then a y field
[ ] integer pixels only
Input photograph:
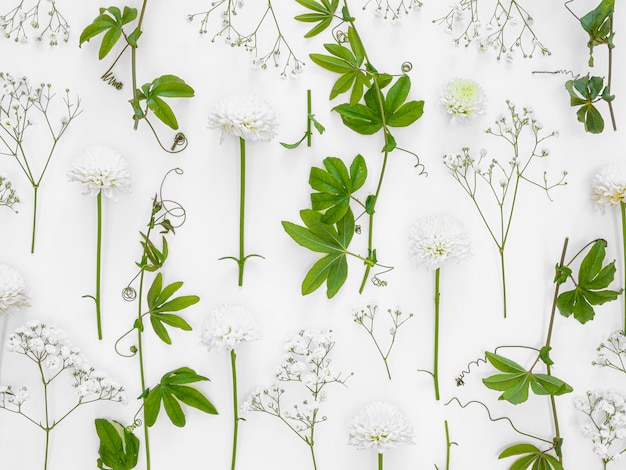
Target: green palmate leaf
[
  {"x": 397, "y": 95},
  {"x": 312, "y": 5},
  {"x": 163, "y": 111},
  {"x": 597, "y": 24},
  {"x": 110, "y": 21},
  {"x": 584, "y": 92},
  {"x": 593, "y": 279},
  {"x": 170, "y": 391},
  {"x": 323, "y": 15},
  {"x": 531, "y": 455},
  {"x": 518, "y": 449},
  {"x": 119, "y": 448},
  {"x": 306, "y": 238},
  {"x": 543, "y": 384},
  {"x": 168, "y": 86},
  {"x": 343, "y": 84},
  {"x": 333, "y": 64},
  {"x": 360, "y": 118},
  {"x": 589, "y": 115},
  {"x": 342, "y": 53},
  {"x": 407, "y": 114}
]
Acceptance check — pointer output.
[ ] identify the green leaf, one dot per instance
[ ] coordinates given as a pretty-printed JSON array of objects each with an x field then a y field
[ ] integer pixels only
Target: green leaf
[
  {"x": 171, "y": 86},
  {"x": 543, "y": 384},
  {"x": 163, "y": 111},
  {"x": 592, "y": 262},
  {"x": 358, "y": 172},
  {"x": 407, "y": 114},
  {"x": 160, "y": 330},
  {"x": 172, "y": 390},
  {"x": 518, "y": 449},
  {"x": 356, "y": 45},
  {"x": 304, "y": 237},
  {"x": 168, "y": 292},
  {"x": 531, "y": 455},
  {"x": 321, "y": 272},
  {"x": 110, "y": 22},
  {"x": 119, "y": 448},
  {"x": 172, "y": 320},
  {"x": 397, "y": 95},
  {"x": 318, "y": 28},
  {"x": 343, "y": 84},
  {"x": 312, "y": 5},
  {"x": 503, "y": 364},
  {"x": 179, "y": 303},
  {"x": 331, "y": 63},
  {"x": 359, "y": 118},
  {"x": 342, "y": 53},
  {"x": 544, "y": 355},
  {"x": 154, "y": 291}
]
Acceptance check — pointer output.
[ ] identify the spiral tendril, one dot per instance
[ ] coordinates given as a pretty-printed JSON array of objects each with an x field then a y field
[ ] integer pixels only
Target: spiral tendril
[
  {"x": 136, "y": 424},
  {"x": 357, "y": 229},
  {"x": 406, "y": 67},
  {"x": 129, "y": 294}
]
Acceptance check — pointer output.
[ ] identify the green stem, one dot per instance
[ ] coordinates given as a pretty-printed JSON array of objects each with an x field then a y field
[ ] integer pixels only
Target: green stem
[
  {"x": 98, "y": 264},
  {"x": 141, "y": 372},
  {"x": 610, "y": 76},
  {"x": 448, "y": 445},
  {"x": 502, "y": 273},
  {"x": 309, "y": 110},
  {"x": 436, "y": 352},
  {"x": 47, "y": 427},
  {"x": 622, "y": 206},
  {"x": 133, "y": 55},
  {"x": 380, "y": 461},
  {"x": 32, "y": 243},
  {"x": 242, "y": 204},
  {"x": 233, "y": 366}
]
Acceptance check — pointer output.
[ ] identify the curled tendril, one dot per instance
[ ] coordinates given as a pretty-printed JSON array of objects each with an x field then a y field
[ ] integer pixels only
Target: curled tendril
[
  {"x": 377, "y": 281},
  {"x": 493, "y": 420},
  {"x": 357, "y": 229},
  {"x": 136, "y": 424},
  {"x": 132, "y": 349},
  {"x": 129, "y": 294},
  {"x": 556, "y": 72},
  {"x": 170, "y": 207},
  {"x": 340, "y": 36},
  {"x": 179, "y": 139},
  {"x": 406, "y": 67},
  {"x": 418, "y": 164},
  {"x": 483, "y": 360}
]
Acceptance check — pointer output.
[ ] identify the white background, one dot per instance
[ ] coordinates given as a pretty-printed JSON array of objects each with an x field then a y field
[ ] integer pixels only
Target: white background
[{"x": 62, "y": 269}]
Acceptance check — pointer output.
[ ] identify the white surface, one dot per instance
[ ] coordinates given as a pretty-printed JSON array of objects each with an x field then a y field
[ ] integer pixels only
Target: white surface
[{"x": 62, "y": 269}]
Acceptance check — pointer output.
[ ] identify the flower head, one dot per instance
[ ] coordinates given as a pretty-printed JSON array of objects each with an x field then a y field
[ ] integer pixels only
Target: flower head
[
  {"x": 101, "y": 169},
  {"x": 608, "y": 186},
  {"x": 463, "y": 100},
  {"x": 227, "y": 327},
  {"x": 435, "y": 239},
  {"x": 245, "y": 116},
  {"x": 13, "y": 291},
  {"x": 380, "y": 426}
]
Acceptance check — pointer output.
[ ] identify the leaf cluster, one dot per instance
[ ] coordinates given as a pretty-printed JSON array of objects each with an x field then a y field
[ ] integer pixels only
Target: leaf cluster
[
  {"x": 515, "y": 381},
  {"x": 119, "y": 447},
  {"x": 165, "y": 86},
  {"x": 530, "y": 457},
  {"x": 322, "y": 13},
  {"x": 173, "y": 390},
  {"x": 597, "y": 24},
  {"x": 160, "y": 304},
  {"x": 110, "y": 23},
  {"x": 584, "y": 92},
  {"x": 590, "y": 287}
]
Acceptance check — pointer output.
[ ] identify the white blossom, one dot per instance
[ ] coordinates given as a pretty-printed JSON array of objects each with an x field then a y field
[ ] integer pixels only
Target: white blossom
[
  {"x": 101, "y": 169},
  {"x": 380, "y": 426},
  {"x": 245, "y": 116},
  {"x": 435, "y": 239},
  {"x": 608, "y": 186},
  {"x": 13, "y": 291},
  {"x": 463, "y": 100},
  {"x": 227, "y": 327}
]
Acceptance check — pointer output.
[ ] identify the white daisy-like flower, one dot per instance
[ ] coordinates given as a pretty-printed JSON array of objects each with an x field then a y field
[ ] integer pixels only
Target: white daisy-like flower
[
  {"x": 463, "y": 100},
  {"x": 435, "y": 239},
  {"x": 380, "y": 426},
  {"x": 227, "y": 327},
  {"x": 13, "y": 291},
  {"x": 608, "y": 186},
  {"x": 101, "y": 169},
  {"x": 245, "y": 116}
]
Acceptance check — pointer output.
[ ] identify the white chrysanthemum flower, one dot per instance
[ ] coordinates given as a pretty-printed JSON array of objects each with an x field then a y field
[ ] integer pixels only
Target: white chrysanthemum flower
[
  {"x": 245, "y": 116},
  {"x": 13, "y": 291},
  {"x": 463, "y": 100},
  {"x": 608, "y": 186},
  {"x": 380, "y": 426},
  {"x": 435, "y": 239},
  {"x": 227, "y": 327},
  {"x": 101, "y": 169}
]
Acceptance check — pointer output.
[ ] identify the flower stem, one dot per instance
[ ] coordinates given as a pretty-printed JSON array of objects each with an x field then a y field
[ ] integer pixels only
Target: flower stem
[
  {"x": 242, "y": 204},
  {"x": 233, "y": 366},
  {"x": 622, "y": 206},
  {"x": 141, "y": 371},
  {"x": 380, "y": 461},
  {"x": 47, "y": 427},
  {"x": 32, "y": 243},
  {"x": 436, "y": 351},
  {"x": 610, "y": 74},
  {"x": 98, "y": 263},
  {"x": 448, "y": 445},
  {"x": 502, "y": 272},
  {"x": 309, "y": 110}
]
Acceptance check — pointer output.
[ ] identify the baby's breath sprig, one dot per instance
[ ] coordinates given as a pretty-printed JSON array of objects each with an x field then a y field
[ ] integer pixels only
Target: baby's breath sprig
[
  {"x": 264, "y": 53},
  {"x": 612, "y": 353},
  {"x": 8, "y": 196},
  {"x": 508, "y": 28},
  {"x": 14, "y": 23},
  {"x": 502, "y": 180},
  {"x": 307, "y": 362},
  {"x": 366, "y": 318},
  {"x": 392, "y": 10},
  {"x": 20, "y": 102},
  {"x": 52, "y": 353}
]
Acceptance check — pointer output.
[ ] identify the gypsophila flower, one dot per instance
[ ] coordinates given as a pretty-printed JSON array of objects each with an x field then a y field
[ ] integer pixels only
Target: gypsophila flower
[
  {"x": 8, "y": 195},
  {"x": 13, "y": 291},
  {"x": 606, "y": 410},
  {"x": 101, "y": 169},
  {"x": 245, "y": 116},
  {"x": 612, "y": 352},
  {"x": 463, "y": 100},
  {"x": 608, "y": 186},
  {"x": 436, "y": 239},
  {"x": 380, "y": 426},
  {"x": 227, "y": 327}
]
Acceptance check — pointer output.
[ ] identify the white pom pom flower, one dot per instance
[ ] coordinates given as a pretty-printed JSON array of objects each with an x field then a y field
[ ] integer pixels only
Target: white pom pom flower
[
  {"x": 13, "y": 291},
  {"x": 227, "y": 327},
  {"x": 245, "y": 116},
  {"x": 436, "y": 239},
  {"x": 101, "y": 169},
  {"x": 463, "y": 100},
  {"x": 608, "y": 187},
  {"x": 380, "y": 426}
]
